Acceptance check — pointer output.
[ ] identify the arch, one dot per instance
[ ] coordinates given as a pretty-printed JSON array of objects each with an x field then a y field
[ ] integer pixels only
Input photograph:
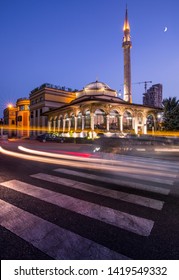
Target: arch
[
  {"x": 72, "y": 121},
  {"x": 140, "y": 118},
  {"x": 114, "y": 122},
  {"x": 127, "y": 120},
  {"x": 100, "y": 119},
  {"x": 79, "y": 120},
  {"x": 150, "y": 122},
  {"x": 87, "y": 119}
]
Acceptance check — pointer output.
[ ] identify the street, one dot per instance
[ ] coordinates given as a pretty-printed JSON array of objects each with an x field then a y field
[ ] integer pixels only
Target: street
[{"x": 73, "y": 204}]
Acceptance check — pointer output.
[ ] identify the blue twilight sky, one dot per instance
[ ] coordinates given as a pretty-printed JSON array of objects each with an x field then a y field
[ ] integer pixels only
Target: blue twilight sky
[{"x": 74, "y": 42}]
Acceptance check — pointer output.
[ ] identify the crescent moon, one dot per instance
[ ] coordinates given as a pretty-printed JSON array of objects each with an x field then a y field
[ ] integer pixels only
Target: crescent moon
[{"x": 165, "y": 29}]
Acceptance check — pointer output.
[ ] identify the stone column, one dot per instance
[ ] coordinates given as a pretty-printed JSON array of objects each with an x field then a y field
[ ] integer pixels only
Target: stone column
[
  {"x": 75, "y": 123},
  {"x": 69, "y": 124},
  {"x": 58, "y": 125},
  {"x": 49, "y": 126},
  {"x": 64, "y": 125},
  {"x": 136, "y": 125},
  {"x": 38, "y": 119},
  {"x": 54, "y": 125},
  {"x": 133, "y": 122},
  {"x": 107, "y": 122},
  {"x": 145, "y": 125},
  {"x": 82, "y": 122},
  {"x": 121, "y": 123}
]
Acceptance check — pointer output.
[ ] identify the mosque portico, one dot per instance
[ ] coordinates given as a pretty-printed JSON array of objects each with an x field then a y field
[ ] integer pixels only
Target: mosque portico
[{"x": 100, "y": 112}]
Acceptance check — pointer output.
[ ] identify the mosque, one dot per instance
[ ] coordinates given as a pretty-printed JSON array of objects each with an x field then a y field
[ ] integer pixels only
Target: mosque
[{"x": 97, "y": 107}]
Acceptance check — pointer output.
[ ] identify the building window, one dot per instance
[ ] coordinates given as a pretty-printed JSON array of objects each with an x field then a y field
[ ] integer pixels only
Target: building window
[
  {"x": 22, "y": 108},
  {"x": 19, "y": 119}
]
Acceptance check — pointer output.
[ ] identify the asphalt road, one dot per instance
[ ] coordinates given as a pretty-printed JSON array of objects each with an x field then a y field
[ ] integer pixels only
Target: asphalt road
[{"x": 92, "y": 206}]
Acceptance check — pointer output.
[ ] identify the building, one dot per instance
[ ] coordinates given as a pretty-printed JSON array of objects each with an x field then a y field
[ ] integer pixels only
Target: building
[
  {"x": 153, "y": 96},
  {"x": 46, "y": 98},
  {"x": 23, "y": 116},
  {"x": 97, "y": 108},
  {"x": 10, "y": 116},
  {"x": 17, "y": 118}
]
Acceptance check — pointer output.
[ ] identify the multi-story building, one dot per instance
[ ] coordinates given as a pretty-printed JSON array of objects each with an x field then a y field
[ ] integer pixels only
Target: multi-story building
[
  {"x": 16, "y": 118},
  {"x": 23, "y": 116},
  {"x": 10, "y": 120},
  {"x": 153, "y": 96},
  {"x": 45, "y": 98},
  {"x": 10, "y": 115}
]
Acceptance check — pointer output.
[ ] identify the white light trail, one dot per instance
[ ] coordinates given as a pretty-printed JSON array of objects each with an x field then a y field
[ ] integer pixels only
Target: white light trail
[{"x": 65, "y": 162}]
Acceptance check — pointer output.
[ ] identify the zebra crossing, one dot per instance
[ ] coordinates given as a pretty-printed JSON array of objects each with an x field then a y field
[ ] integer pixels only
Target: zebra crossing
[{"x": 61, "y": 242}]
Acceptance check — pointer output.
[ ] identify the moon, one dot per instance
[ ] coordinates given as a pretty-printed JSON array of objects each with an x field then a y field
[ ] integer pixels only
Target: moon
[{"x": 165, "y": 29}]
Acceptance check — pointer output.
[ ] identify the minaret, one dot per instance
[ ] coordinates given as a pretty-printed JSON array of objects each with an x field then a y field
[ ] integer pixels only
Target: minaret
[{"x": 127, "y": 45}]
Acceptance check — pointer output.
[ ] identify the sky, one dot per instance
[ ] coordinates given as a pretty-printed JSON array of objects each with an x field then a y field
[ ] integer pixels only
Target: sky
[{"x": 74, "y": 42}]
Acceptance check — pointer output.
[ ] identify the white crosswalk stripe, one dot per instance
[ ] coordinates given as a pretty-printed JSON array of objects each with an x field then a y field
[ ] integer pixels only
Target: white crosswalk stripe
[
  {"x": 51, "y": 239},
  {"x": 123, "y": 220},
  {"x": 136, "y": 199},
  {"x": 128, "y": 183}
]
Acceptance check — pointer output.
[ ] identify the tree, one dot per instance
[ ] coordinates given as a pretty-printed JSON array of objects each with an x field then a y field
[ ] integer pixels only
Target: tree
[{"x": 171, "y": 114}]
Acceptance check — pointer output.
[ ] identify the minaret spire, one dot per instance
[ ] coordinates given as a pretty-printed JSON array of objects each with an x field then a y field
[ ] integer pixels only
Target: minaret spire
[
  {"x": 126, "y": 21},
  {"x": 127, "y": 45}
]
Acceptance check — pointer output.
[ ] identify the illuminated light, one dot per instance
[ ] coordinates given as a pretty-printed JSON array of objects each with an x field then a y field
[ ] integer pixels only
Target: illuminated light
[
  {"x": 96, "y": 149},
  {"x": 10, "y": 105}
]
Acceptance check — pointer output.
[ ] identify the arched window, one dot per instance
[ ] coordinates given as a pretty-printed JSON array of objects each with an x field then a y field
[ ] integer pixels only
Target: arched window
[
  {"x": 100, "y": 119},
  {"x": 72, "y": 121},
  {"x": 113, "y": 120},
  {"x": 79, "y": 121},
  {"x": 87, "y": 119},
  {"x": 127, "y": 121},
  {"x": 150, "y": 122}
]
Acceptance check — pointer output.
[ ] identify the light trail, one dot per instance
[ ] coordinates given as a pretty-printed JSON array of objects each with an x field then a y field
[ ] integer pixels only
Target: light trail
[
  {"x": 132, "y": 172},
  {"x": 115, "y": 170},
  {"x": 129, "y": 169},
  {"x": 65, "y": 162},
  {"x": 47, "y": 154}
]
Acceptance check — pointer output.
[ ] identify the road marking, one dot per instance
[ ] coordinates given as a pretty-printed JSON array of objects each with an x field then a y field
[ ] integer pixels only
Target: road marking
[
  {"x": 113, "y": 217},
  {"x": 136, "y": 199},
  {"x": 51, "y": 239},
  {"x": 118, "y": 182}
]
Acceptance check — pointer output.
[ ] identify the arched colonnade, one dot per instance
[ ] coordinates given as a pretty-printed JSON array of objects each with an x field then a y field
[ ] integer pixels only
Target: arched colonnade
[{"x": 102, "y": 118}]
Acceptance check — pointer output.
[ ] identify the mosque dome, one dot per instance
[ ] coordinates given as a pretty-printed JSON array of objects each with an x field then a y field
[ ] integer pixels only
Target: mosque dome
[
  {"x": 96, "y": 85},
  {"x": 96, "y": 88}
]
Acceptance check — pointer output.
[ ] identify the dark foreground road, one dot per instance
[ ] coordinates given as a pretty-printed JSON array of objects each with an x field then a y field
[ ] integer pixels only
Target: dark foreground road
[{"x": 87, "y": 207}]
